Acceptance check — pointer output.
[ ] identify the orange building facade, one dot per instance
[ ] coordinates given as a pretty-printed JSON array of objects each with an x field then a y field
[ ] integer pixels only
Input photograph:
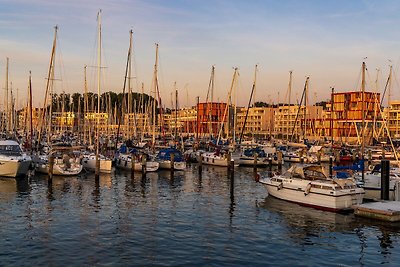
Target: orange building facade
[{"x": 210, "y": 116}]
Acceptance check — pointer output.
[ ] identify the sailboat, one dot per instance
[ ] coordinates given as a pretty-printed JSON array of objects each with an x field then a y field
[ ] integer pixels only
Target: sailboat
[
  {"x": 218, "y": 157},
  {"x": 89, "y": 159},
  {"x": 65, "y": 162}
]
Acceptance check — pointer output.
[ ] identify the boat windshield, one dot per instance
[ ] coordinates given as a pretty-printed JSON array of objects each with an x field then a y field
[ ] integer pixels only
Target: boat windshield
[{"x": 10, "y": 150}]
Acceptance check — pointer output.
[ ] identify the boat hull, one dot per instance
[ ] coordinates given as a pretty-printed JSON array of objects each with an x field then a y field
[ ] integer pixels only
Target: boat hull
[
  {"x": 89, "y": 164},
  {"x": 14, "y": 168},
  {"x": 125, "y": 163},
  {"x": 320, "y": 199},
  {"x": 166, "y": 164},
  {"x": 215, "y": 160}
]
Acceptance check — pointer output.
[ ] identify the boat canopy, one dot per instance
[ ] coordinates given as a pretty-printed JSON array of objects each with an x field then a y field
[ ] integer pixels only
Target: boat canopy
[
  {"x": 308, "y": 172},
  {"x": 165, "y": 154},
  {"x": 251, "y": 151}
]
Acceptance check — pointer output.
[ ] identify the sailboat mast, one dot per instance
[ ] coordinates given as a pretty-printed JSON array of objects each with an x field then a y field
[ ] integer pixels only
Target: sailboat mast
[
  {"x": 155, "y": 96},
  {"x": 289, "y": 96},
  {"x": 227, "y": 105},
  {"x": 363, "y": 115},
  {"x": 30, "y": 111},
  {"x": 123, "y": 94},
  {"x": 97, "y": 169},
  {"x": 390, "y": 84},
  {"x": 248, "y": 106},
  {"x": 129, "y": 84},
  {"x": 85, "y": 108},
  {"x": 6, "y": 100},
  {"x": 176, "y": 111},
  {"x": 49, "y": 84},
  {"x": 305, "y": 107}
]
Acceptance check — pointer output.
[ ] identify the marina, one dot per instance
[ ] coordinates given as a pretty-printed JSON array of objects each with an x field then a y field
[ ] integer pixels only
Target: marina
[{"x": 188, "y": 141}]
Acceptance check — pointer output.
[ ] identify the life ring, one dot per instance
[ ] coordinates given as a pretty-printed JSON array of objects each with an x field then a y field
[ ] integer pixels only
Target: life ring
[
  {"x": 371, "y": 167},
  {"x": 307, "y": 190}
]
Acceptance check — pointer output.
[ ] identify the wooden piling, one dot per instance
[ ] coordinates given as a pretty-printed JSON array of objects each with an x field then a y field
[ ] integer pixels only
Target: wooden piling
[
  {"x": 280, "y": 159},
  {"x": 200, "y": 163},
  {"x": 144, "y": 165},
  {"x": 255, "y": 162},
  {"x": 97, "y": 169},
  {"x": 228, "y": 158},
  {"x": 385, "y": 172},
  {"x": 172, "y": 162},
  {"x": 270, "y": 166},
  {"x": 133, "y": 161},
  {"x": 51, "y": 166}
]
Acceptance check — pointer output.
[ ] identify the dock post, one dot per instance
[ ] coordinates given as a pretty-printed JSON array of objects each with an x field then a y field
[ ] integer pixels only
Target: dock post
[
  {"x": 144, "y": 165},
  {"x": 255, "y": 162},
  {"x": 331, "y": 166},
  {"x": 229, "y": 156},
  {"x": 200, "y": 163},
  {"x": 232, "y": 178},
  {"x": 97, "y": 169},
  {"x": 133, "y": 161},
  {"x": 51, "y": 166},
  {"x": 280, "y": 158},
  {"x": 270, "y": 166},
  {"x": 385, "y": 172},
  {"x": 369, "y": 157},
  {"x": 172, "y": 166}
]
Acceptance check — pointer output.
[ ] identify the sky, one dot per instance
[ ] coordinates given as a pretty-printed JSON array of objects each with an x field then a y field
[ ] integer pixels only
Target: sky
[{"x": 325, "y": 40}]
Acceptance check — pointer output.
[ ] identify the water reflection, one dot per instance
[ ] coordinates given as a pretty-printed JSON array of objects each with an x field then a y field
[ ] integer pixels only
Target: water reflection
[{"x": 179, "y": 218}]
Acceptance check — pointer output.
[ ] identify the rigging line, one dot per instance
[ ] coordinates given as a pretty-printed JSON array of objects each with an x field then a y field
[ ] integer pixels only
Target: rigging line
[{"x": 358, "y": 80}]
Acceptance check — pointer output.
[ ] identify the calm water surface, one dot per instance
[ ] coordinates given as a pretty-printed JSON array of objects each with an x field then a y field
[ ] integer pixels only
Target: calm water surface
[{"x": 183, "y": 220}]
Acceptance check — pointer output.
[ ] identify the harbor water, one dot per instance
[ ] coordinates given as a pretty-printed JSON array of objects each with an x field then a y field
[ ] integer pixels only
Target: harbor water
[{"x": 182, "y": 219}]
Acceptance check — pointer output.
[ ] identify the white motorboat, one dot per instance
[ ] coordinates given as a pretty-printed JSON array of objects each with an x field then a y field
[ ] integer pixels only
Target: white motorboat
[
  {"x": 309, "y": 185},
  {"x": 13, "y": 162},
  {"x": 89, "y": 163},
  {"x": 124, "y": 161},
  {"x": 214, "y": 158}
]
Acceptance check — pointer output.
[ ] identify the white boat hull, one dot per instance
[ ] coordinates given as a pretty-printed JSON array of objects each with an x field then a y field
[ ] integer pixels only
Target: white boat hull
[
  {"x": 215, "y": 160},
  {"x": 166, "y": 164},
  {"x": 89, "y": 164},
  {"x": 315, "y": 197},
  {"x": 14, "y": 168},
  {"x": 125, "y": 163}
]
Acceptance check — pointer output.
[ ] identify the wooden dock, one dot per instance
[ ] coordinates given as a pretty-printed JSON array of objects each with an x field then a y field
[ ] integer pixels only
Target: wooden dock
[{"x": 382, "y": 210}]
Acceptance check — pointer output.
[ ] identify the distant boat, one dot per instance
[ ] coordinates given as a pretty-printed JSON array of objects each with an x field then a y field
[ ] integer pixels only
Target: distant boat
[
  {"x": 124, "y": 161},
  {"x": 89, "y": 163},
  {"x": 13, "y": 162},
  {"x": 215, "y": 158},
  {"x": 308, "y": 185},
  {"x": 164, "y": 159},
  {"x": 248, "y": 155},
  {"x": 65, "y": 162}
]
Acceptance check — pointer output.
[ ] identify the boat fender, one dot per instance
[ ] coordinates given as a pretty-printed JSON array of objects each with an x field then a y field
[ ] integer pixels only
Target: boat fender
[
  {"x": 257, "y": 178},
  {"x": 371, "y": 167},
  {"x": 307, "y": 190},
  {"x": 280, "y": 186}
]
